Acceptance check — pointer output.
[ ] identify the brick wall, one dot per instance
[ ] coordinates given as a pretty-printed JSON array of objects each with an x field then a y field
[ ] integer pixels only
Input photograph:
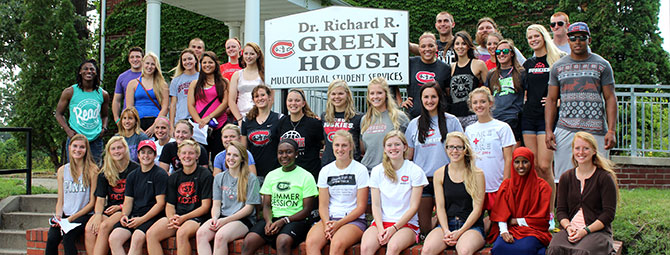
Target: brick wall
[{"x": 643, "y": 176}]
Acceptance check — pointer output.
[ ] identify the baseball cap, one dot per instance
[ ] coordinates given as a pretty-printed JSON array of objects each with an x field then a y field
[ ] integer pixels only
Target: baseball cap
[
  {"x": 146, "y": 143},
  {"x": 579, "y": 27}
]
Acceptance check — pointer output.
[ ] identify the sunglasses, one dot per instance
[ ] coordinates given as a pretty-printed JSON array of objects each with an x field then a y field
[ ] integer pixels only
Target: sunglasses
[
  {"x": 560, "y": 24},
  {"x": 574, "y": 38},
  {"x": 503, "y": 52}
]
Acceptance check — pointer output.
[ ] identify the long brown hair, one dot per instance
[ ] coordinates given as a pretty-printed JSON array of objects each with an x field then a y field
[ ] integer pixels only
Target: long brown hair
[
  {"x": 243, "y": 176},
  {"x": 260, "y": 61},
  {"x": 133, "y": 113},
  {"x": 386, "y": 161},
  {"x": 494, "y": 82},
  {"x": 88, "y": 168},
  {"x": 111, "y": 167},
  {"x": 179, "y": 69},
  {"x": 220, "y": 84},
  {"x": 253, "y": 113}
]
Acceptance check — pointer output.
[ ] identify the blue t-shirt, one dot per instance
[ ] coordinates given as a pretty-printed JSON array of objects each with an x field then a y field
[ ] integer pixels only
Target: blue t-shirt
[
  {"x": 220, "y": 160},
  {"x": 430, "y": 155}
]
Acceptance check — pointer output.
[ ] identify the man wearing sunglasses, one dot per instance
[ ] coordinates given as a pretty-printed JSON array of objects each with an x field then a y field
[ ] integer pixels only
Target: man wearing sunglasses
[
  {"x": 559, "y": 23},
  {"x": 583, "y": 79}
]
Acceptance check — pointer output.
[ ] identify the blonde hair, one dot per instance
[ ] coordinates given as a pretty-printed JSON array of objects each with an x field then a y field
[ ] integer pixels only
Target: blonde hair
[
  {"x": 88, "y": 166},
  {"x": 233, "y": 127},
  {"x": 350, "y": 139},
  {"x": 372, "y": 115},
  {"x": 471, "y": 170},
  {"x": 553, "y": 53},
  {"x": 243, "y": 177},
  {"x": 179, "y": 69},
  {"x": 133, "y": 113},
  {"x": 349, "y": 111},
  {"x": 189, "y": 142},
  {"x": 159, "y": 81},
  {"x": 486, "y": 92},
  {"x": 598, "y": 160},
  {"x": 386, "y": 161},
  {"x": 110, "y": 167}
]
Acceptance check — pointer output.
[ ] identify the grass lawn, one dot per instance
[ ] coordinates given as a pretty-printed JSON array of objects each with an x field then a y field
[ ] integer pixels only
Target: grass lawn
[
  {"x": 643, "y": 221},
  {"x": 10, "y": 187}
]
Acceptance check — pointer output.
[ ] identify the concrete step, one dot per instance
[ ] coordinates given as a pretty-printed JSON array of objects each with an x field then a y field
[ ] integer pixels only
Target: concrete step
[
  {"x": 13, "y": 239},
  {"x": 38, "y": 203},
  {"x": 12, "y": 251},
  {"x": 25, "y": 220}
]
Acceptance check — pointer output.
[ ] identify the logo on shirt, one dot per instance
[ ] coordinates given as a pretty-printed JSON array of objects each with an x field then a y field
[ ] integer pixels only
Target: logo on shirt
[
  {"x": 292, "y": 134},
  {"x": 331, "y": 128},
  {"x": 282, "y": 49},
  {"x": 345, "y": 179},
  {"x": 282, "y": 186},
  {"x": 404, "y": 179},
  {"x": 87, "y": 113},
  {"x": 376, "y": 128},
  {"x": 118, "y": 190},
  {"x": 186, "y": 192},
  {"x": 425, "y": 77},
  {"x": 260, "y": 137},
  {"x": 539, "y": 68}
]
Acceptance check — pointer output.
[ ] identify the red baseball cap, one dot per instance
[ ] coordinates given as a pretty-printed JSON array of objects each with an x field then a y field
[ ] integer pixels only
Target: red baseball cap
[{"x": 146, "y": 143}]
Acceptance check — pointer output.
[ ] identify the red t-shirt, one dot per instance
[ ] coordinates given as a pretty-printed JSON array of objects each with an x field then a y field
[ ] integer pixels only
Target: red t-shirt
[
  {"x": 228, "y": 69},
  {"x": 489, "y": 65}
]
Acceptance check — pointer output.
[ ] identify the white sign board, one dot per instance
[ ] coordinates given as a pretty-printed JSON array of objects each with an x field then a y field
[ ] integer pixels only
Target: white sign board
[{"x": 313, "y": 48}]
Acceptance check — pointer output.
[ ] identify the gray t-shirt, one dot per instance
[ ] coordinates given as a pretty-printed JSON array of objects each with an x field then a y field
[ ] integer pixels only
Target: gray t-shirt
[
  {"x": 179, "y": 89},
  {"x": 430, "y": 155},
  {"x": 508, "y": 102},
  {"x": 373, "y": 138},
  {"x": 581, "y": 86},
  {"x": 225, "y": 190}
]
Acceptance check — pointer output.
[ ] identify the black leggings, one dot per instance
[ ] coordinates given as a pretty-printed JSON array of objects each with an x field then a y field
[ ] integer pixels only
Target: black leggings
[{"x": 69, "y": 239}]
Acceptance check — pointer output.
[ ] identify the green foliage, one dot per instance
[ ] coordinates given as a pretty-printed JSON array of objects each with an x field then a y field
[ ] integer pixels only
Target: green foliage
[
  {"x": 126, "y": 28},
  {"x": 11, "y": 187},
  {"x": 51, "y": 50},
  {"x": 626, "y": 33},
  {"x": 14, "y": 152},
  {"x": 11, "y": 12},
  {"x": 643, "y": 221}
]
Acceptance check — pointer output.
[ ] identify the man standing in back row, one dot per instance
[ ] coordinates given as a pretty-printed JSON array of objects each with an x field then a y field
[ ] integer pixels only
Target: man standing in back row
[
  {"x": 583, "y": 79},
  {"x": 135, "y": 56}
]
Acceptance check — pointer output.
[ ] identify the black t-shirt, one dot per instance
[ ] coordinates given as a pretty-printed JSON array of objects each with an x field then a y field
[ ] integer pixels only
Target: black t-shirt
[
  {"x": 449, "y": 57},
  {"x": 535, "y": 83},
  {"x": 114, "y": 194},
  {"x": 421, "y": 73},
  {"x": 308, "y": 133},
  {"x": 186, "y": 191},
  {"x": 329, "y": 129},
  {"x": 169, "y": 156},
  {"x": 262, "y": 142},
  {"x": 144, "y": 187}
]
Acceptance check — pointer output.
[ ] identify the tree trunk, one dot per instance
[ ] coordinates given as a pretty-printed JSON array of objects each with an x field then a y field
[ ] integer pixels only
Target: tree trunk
[{"x": 81, "y": 7}]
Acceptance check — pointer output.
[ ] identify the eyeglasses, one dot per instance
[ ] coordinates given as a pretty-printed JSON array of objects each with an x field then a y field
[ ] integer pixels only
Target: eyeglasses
[
  {"x": 574, "y": 38},
  {"x": 560, "y": 24},
  {"x": 503, "y": 51},
  {"x": 455, "y": 147}
]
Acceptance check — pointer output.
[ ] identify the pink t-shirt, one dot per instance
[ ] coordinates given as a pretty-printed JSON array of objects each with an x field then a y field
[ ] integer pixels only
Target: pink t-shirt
[{"x": 210, "y": 93}]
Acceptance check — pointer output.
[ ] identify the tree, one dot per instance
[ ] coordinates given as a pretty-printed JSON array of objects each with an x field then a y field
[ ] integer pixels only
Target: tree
[
  {"x": 51, "y": 50},
  {"x": 625, "y": 33},
  {"x": 11, "y": 12}
]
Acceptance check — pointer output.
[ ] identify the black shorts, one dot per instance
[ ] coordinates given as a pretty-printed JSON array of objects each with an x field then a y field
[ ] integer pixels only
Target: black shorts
[
  {"x": 516, "y": 128},
  {"x": 297, "y": 230},
  {"x": 428, "y": 190},
  {"x": 246, "y": 221},
  {"x": 199, "y": 220},
  {"x": 533, "y": 126},
  {"x": 143, "y": 227}
]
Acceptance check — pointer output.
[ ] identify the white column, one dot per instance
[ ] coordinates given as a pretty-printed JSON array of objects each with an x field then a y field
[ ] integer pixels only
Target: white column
[
  {"x": 153, "y": 32},
  {"x": 252, "y": 21},
  {"x": 233, "y": 29}
]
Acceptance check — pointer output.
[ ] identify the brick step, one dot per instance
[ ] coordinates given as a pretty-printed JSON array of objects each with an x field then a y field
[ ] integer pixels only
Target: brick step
[{"x": 37, "y": 241}]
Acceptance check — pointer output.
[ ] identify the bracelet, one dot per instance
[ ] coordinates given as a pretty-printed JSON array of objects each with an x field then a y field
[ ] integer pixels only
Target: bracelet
[
  {"x": 588, "y": 231},
  {"x": 396, "y": 229},
  {"x": 287, "y": 220}
]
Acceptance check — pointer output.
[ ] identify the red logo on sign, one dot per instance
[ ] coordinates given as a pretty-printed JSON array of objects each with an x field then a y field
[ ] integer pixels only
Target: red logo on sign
[
  {"x": 404, "y": 178},
  {"x": 282, "y": 49},
  {"x": 424, "y": 77}
]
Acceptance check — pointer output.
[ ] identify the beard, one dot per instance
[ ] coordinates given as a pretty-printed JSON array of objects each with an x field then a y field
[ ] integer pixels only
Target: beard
[{"x": 480, "y": 39}]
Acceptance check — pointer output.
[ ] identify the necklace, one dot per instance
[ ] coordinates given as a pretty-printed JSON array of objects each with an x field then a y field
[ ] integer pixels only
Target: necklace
[{"x": 296, "y": 125}]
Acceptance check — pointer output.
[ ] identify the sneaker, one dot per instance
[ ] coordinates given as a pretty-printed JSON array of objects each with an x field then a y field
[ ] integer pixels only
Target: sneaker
[{"x": 552, "y": 224}]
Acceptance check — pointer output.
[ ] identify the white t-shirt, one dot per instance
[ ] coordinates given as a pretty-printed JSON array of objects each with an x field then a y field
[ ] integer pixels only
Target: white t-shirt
[
  {"x": 488, "y": 140},
  {"x": 431, "y": 155},
  {"x": 395, "y": 197},
  {"x": 343, "y": 186},
  {"x": 159, "y": 149}
]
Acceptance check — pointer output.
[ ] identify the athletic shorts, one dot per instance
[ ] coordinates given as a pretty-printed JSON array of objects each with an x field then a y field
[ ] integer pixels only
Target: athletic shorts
[
  {"x": 410, "y": 226},
  {"x": 490, "y": 200},
  {"x": 360, "y": 223},
  {"x": 296, "y": 229},
  {"x": 428, "y": 190},
  {"x": 532, "y": 126},
  {"x": 143, "y": 227}
]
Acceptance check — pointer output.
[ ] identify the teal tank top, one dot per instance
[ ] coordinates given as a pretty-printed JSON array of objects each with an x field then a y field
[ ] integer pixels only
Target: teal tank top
[{"x": 85, "y": 112}]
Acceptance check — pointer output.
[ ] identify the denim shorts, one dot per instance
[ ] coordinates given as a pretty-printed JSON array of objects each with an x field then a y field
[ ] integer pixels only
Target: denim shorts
[
  {"x": 532, "y": 126},
  {"x": 456, "y": 223}
]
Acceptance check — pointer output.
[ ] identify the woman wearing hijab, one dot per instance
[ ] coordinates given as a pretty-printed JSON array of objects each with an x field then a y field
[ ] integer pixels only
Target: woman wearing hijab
[{"x": 522, "y": 209}]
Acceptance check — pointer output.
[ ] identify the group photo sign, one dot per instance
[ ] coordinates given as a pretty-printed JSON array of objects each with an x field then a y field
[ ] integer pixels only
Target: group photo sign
[{"x": 311, "y": 49}]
